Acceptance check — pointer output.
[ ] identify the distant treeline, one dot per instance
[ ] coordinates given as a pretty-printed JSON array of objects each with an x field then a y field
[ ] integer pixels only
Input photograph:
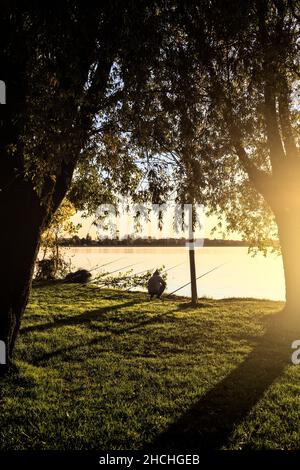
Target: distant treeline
[{"x": 131, "y": 241}]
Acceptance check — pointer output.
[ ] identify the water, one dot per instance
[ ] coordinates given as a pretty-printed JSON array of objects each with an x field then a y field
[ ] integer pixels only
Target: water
[{"x": 240, "y": 276}]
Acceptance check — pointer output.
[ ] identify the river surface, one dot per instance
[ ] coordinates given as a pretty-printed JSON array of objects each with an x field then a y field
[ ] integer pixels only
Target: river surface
[{"x": 240, "y": 275}]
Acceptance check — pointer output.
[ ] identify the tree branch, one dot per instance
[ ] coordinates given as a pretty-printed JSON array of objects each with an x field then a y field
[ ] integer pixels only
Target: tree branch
[
  {"x": 272, "y": 127},
  {"x": 259, "y": 178},
  {"x": 275, "y": 144},
  {"x": 59, "y": 189},
  {"x": 291, "y": 149}
]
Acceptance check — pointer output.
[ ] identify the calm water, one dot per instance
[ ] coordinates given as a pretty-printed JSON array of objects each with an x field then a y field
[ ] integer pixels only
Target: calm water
[{"x": 240, "y": 276}]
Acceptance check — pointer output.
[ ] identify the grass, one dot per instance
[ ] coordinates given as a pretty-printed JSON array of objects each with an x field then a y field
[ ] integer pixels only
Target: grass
[{"x": 102, "y": 369}]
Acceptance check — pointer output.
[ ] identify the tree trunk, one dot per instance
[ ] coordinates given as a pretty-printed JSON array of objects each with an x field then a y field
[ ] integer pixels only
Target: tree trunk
[
  {"x": 193, "y": 276},
  {"x": 22, "y": 219},
  {"x": 288, "y": 222}
]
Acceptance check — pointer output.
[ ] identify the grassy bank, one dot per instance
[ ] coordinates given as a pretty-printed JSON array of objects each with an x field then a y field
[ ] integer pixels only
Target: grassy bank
[{"x": 105, "y": 369}]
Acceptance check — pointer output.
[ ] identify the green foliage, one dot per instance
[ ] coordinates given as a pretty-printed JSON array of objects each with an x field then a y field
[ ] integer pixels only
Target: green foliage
[
  {"x": 134, "y": 106},
  {"x": 52, "y": 263},
  {"x": 202, "y": 119},
  {"x": 65, "y": 69},
  {"x": 151, "y": 99},
  {"x": 107, "y": 173},
  {"x": 46, "y": 269}
]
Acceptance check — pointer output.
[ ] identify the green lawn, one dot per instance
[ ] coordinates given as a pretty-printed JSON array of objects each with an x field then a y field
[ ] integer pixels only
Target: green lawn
[{"x": 101, "y": 369}]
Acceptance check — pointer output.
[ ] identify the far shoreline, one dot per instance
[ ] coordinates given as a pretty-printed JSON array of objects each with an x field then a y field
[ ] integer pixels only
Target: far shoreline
[
  {"x": 87, "y": 241},
  {"x": 96, "y": 245}
]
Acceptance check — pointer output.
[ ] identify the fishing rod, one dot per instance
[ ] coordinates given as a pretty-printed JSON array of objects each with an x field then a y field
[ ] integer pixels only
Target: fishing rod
[
  {"x": 105, "y": 264},
  {"x": 152, "y": 270},
  {"x": 136, "y": 274},
  {"x": 202, "y": 275},
  {"x": 140, "y": 272},
  {"x": 172, "y": 267},
  {"x": 145, "y": 270},
  {"x": 119, "y": 269}
]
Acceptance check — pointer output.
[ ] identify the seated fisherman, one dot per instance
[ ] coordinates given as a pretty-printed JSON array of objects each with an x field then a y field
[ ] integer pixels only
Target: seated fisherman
[{"x": 156, "y": 285}]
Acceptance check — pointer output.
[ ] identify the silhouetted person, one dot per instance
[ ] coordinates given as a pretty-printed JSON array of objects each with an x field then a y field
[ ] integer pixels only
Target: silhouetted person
[{"x": 156, "y": 285}]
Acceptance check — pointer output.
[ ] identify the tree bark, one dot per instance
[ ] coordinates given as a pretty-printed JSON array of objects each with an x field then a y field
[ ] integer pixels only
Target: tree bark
[
  {"x": 288, "y": 222},
  {"x": 22, "y": 220}
]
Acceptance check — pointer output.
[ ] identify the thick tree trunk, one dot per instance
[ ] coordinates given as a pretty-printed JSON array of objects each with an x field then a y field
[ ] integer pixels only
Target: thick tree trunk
[
  {"x": 288, "y": 221},
  {"x": 22, "y": 219}
]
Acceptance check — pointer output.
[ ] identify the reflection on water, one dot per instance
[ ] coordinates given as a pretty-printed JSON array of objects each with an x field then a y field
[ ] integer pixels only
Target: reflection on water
[{"x": 240, "y": 276}]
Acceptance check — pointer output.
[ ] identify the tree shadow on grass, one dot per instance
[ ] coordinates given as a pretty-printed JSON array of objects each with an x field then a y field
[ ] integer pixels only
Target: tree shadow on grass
[
  {"x": 78, "y": 319},
  {"x": 63, "y": 353},
  {"x": 188, "y": 305},
  {"x": 208, "y": 424}
]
